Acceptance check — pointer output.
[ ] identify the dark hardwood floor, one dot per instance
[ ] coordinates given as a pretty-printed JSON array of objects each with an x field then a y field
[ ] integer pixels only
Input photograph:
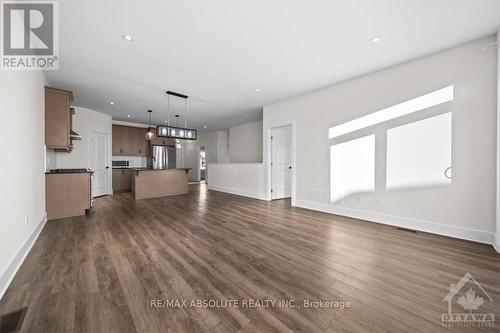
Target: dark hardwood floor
[{"x": 101, "y": 272}]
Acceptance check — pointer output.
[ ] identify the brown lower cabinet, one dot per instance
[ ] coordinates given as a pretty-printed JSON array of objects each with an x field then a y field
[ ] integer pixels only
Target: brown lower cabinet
[
  {"x": 67, "y": 194},
  {"x": 121, "y": 180}
]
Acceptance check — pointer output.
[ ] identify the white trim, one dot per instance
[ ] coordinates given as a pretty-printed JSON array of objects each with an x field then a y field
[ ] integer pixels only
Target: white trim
[
  {"x": 198, "y": 168},
  {"x": 497, "y": 236},
  {"x": 267, "y": 155},
  {"x": 404, "y": 222},
  {"x": 18, "y": 260},
  {"x": 255, "y": 195},
  {"x": 235, "y": 163},
  {"x": 496, "y": 244},
  {"x": 267, "y": 162},
  {"x": 109, "y": 157}
]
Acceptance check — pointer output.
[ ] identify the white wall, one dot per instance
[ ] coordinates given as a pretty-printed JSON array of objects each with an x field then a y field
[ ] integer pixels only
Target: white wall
[
  {"x": 497, "y": 235},
  {"x": 134, "y": 161},
  {"x": 245, "y": 143},
  {"x": 223, "y": 146},
  {"x": 247, "y": 179},
  {"x": 188, "y": 153},
  {"x": 22, "y": 137},
  {"x": 84, "y": 122},
  {"x": 223, "y": 137},
  {"x": 466, "y": 209},
  {"x": 209, "y": 140},
  {"x": 50, "y": 160},
  {"x": 191, "y": 148}
]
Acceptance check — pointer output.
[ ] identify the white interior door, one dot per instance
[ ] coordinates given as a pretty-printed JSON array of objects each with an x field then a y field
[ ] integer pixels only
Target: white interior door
[
  {"x": 281, "y": 162},
  {"x": 100, "y": 164}
]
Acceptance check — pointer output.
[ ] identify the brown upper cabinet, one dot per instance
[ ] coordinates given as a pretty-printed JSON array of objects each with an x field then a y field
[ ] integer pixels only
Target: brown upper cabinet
[
  {"x": 58, "y": 119},
  {"x": 129, "y": 141},
  {"x": 139, "y": 142},
  {"x": 121, "y": 140}
]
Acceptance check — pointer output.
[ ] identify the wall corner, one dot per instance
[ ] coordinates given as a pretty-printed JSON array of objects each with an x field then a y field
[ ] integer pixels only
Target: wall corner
[
  {"x": 496, "y": 242},
  {"x": 497, "y": 234}
]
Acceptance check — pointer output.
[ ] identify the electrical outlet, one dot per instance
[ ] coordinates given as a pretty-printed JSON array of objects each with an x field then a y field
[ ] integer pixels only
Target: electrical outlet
[{"x": 26, "y": 219}]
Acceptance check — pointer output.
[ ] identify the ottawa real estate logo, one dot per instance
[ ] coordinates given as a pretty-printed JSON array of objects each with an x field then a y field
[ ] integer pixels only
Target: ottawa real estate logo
[
  {"x": 29, "y": 35},
  {"x": 469, "y": 296}
]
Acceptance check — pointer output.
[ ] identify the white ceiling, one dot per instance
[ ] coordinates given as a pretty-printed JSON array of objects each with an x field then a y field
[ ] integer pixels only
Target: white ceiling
[{"x": 219, "y": 51}]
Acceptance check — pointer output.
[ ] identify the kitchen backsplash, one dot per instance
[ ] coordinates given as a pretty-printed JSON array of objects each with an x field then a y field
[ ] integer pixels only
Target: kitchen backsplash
[
  {"x": 134, "y": 161},
  {"x": 50, "y": 159}
]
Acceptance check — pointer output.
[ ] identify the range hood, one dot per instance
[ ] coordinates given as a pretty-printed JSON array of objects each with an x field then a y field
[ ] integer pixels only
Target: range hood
[{"x": 75, "y": 136}]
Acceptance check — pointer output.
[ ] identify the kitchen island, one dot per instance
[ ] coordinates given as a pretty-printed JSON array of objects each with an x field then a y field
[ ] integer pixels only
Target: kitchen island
[{"x": 154, "y": 183}]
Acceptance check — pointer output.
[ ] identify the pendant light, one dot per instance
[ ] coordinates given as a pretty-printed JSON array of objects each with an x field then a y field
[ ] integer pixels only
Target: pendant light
[
  {"x": 176, "y": 132},
  {"x": 150, "y": 134}
]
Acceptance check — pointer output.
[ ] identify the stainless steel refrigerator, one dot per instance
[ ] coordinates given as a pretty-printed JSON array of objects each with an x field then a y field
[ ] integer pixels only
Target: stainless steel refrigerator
[{"x": 163, "y": 157}]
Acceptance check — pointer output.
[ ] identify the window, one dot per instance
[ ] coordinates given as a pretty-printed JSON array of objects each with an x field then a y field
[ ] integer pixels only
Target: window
[
  {"x": 413, "y": 105},
  {"x": 419, "y": 153},
  {"x": 352, "y": 167}
]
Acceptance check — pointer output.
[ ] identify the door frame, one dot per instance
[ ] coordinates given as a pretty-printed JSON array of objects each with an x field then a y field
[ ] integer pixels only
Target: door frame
[
  {"x": 109, "y": 173},
  {"x": 198, "y": 160},
  {"x": 268, "y": 156}
]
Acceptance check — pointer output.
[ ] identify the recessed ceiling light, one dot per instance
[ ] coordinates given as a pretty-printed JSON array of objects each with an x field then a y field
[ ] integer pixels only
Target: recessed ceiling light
[
  {"x": 257, "y": 90},
  {"x": 166, "y": 121},
  {"x": 128, "y": 116},
  {"x": 376, "y": 39},
  {"x": 112, "y": 103},
  {"x": 127, "y": 37},
  {"x": 204, "y": 126}
]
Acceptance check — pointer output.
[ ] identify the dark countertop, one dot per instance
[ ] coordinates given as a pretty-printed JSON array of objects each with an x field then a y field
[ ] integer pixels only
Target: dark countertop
[
  {"x": 151, "y": 169},
  {"x": 51, "y": 172}
]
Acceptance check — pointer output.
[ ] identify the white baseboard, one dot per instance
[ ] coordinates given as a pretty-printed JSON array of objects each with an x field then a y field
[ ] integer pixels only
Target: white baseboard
[
  {"x": 18, "y": 260},
  {"x": 403, "y": 222},
  {"x": 255, "y": 195},
  {"x": 496, "y": 244}
]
